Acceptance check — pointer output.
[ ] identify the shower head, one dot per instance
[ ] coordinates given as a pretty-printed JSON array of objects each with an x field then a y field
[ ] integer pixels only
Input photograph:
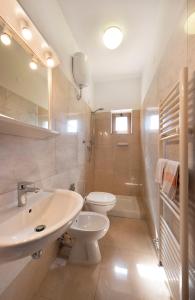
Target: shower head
[{"x": 99, "y": 109}]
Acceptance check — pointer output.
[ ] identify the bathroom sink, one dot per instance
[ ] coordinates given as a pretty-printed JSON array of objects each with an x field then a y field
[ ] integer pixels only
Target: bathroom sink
[{"x": 41, "y": 221}]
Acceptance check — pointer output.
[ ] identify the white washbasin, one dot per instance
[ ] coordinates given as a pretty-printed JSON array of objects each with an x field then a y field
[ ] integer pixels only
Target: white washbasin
[{"x": 56, "y": 211}]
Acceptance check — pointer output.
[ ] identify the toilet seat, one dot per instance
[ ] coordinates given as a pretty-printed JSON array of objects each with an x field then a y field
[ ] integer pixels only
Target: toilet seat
[{"x": 101, "y": 198}]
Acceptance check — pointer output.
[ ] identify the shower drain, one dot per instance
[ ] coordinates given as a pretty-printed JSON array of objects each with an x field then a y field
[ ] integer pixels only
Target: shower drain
[{"x": 40, "y": 228}]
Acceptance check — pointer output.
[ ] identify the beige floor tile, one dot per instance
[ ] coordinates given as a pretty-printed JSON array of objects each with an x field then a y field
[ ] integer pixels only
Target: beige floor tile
[
  {"x": 52, "y": 283},
  {"x": 127, "y": 233},
  {"x": 117, "y": 256},
  {"x": 128, "y": 270},
  {"x": 70, "y": 283},
  {"x": 81, "y": 281},
  {"x": 37, "y": 297},
  {"x": 130, "y": 275},
  {"x": 113, "y": 285}
]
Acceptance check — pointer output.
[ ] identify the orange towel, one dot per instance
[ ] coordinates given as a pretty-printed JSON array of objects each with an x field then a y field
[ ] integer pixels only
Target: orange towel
[{"x": 170, "y": 178}]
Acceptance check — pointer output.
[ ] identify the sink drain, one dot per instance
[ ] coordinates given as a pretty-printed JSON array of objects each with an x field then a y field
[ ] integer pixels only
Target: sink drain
[{"x": 40, "y": 228}]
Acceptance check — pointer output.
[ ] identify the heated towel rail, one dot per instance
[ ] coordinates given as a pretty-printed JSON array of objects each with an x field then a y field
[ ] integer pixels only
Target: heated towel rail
[{"x": 173, "y": 247}]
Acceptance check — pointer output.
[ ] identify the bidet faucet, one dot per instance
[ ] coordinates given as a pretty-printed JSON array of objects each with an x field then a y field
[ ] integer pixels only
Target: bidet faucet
[{"x": 25, "y": 187}]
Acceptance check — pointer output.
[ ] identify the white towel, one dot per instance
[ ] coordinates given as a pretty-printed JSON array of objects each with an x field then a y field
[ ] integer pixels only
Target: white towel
[
  {"x": 161, "y": 163},
  {"x": 170, "y": 178}
]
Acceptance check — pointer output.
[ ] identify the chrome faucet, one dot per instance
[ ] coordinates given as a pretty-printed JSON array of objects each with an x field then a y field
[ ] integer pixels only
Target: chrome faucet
[{"x": 25, "y": 187}]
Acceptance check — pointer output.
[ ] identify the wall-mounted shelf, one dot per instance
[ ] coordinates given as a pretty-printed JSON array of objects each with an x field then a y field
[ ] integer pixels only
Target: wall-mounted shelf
[
  {"x": 14, "y": 127},
  {"x": 122, "y": 144}
]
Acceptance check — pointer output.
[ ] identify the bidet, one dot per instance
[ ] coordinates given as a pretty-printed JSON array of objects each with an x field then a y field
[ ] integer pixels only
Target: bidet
[{"x": 87, "y": 229}]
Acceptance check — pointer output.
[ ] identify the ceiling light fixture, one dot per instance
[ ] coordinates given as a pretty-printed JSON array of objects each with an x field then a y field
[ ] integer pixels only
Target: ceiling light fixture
[
  {"x": 33, "y": 64},
  {"x": 49, "y": 59},
  {"x": 50, "y": 62},
  {"x": 112, "y": 37},
  {"x": 26, "y": 33},
  {"x": 25, "y": 30},
  {"x": 5, "y": 38},
  {"x": 189, "y": 26}
]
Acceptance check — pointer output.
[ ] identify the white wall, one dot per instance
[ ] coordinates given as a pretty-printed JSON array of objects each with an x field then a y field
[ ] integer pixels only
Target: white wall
[
  {"x": 49, "y": 20},
  {"x": 166, "y": 22},
  {"x": 119, "y": 93}
]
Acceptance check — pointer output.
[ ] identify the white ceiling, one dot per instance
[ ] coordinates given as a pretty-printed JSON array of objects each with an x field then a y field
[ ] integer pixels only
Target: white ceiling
[
  {"x": 138, "y": 19},
  {"x": 78, "y": 25}
]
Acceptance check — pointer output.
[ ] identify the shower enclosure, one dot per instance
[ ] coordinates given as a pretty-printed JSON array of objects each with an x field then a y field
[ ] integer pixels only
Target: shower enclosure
[{"x": 117, "y": 163}]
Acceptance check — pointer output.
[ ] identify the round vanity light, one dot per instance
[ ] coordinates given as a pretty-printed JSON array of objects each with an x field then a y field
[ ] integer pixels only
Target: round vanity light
[
  {"x": 26, "y": 33},
  {"x": 33, "y": 65},
  {"x": 50, "y": 62},
  {"x": 190, "y": 24},
  {"x": 112, "y": 37},
  {"x": 5, "y": 39}
]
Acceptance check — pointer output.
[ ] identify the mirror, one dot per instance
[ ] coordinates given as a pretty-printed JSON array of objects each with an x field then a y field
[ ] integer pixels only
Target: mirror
[{"x": 23, "y": 91}]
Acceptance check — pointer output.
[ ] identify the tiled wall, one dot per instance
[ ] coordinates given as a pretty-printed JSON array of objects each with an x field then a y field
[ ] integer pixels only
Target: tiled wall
[
  {"x": 51, "y": 163},
  {"x": 174, "y": 58},
  {"x": 116, "y": 166},
  {"x": 179, "y": 53}
]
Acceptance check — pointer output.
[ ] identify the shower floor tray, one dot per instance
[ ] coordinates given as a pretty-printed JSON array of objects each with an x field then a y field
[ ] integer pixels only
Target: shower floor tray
[{"x": 126, "y": 206}]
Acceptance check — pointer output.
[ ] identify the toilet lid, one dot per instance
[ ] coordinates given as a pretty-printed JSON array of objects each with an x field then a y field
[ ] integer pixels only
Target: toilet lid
[{"x": 101, "y": 198}]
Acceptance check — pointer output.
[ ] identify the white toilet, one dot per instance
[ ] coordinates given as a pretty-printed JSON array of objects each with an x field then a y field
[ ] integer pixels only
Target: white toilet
[
  {"x": 87, "y": 229},
  {"x": 100, "y": 202}
]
